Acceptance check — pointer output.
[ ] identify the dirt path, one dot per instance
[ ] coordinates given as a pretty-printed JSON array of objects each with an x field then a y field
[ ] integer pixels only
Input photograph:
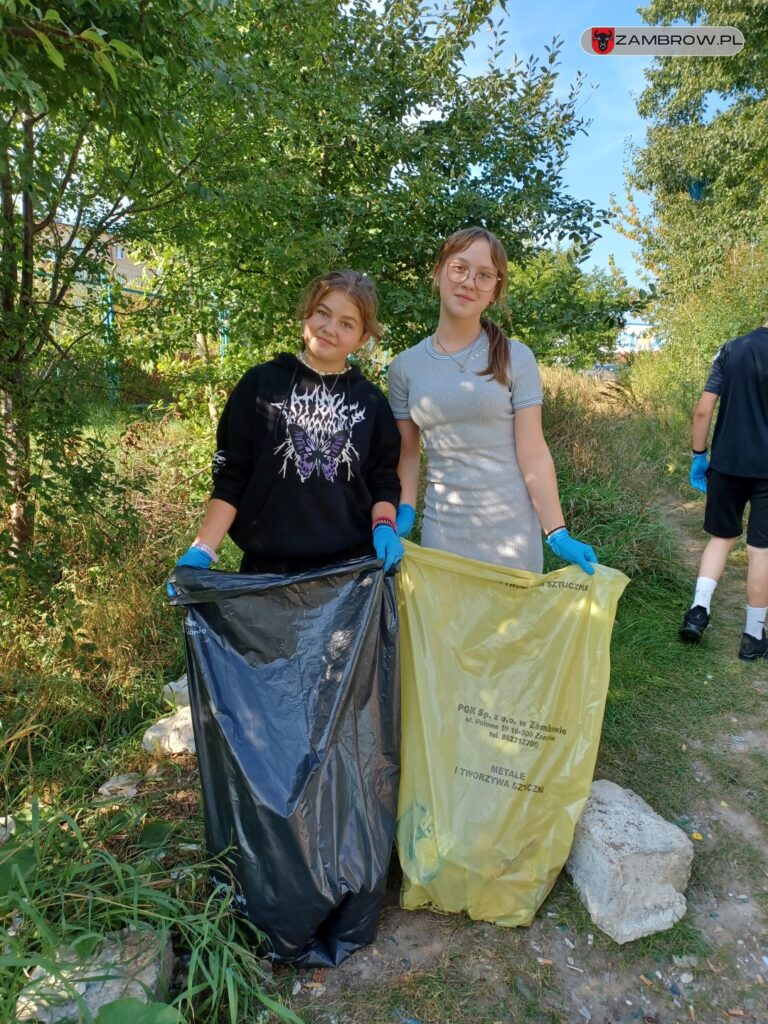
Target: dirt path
[{"x": 713, "y": 967}]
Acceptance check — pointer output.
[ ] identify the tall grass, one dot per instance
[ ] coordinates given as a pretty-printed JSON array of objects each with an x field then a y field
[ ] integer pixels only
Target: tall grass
[
  {"x": 67, "y": 878},
  {"x": 612, "y": 459},
  {"x": 85, "y": 651},
  {"x": 663, "y": 386}
]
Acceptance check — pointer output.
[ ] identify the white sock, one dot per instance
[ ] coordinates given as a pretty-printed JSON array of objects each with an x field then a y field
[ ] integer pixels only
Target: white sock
[
  {"x": 755, "y": 621},
  {"x": 705, "y": 588}
]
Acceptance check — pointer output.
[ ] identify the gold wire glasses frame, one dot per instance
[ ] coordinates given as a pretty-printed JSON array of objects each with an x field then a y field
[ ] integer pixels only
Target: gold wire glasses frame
[{"x": 483, "y": 280}]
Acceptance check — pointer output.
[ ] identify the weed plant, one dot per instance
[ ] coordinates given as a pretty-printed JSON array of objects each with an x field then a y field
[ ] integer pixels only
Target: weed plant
[{"x": 67, "y": 878}]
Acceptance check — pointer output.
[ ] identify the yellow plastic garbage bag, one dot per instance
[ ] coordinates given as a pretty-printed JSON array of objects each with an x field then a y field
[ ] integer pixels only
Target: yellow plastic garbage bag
[{"x": 504, "y": 676}]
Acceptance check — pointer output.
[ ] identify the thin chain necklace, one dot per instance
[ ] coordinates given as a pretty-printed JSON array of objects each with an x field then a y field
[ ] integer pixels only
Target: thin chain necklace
[{"x": 462, "y": 366}]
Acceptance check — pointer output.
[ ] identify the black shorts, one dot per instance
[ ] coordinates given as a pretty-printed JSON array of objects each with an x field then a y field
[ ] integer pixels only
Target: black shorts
[{"x": 727, "y": 497}]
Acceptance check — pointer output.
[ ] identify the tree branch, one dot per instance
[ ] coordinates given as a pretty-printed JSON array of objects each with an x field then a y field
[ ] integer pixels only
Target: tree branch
[{"x": 63, "y": 184}]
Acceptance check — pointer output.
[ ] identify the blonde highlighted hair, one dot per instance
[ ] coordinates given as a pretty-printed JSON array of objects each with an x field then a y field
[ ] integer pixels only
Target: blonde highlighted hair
[
  {"x": 498, "y": 345},
  {"x": 358, "y": 288}
]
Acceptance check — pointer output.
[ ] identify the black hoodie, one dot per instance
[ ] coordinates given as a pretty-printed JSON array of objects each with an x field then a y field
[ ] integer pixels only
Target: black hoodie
[{"x": 303, "y": 458}]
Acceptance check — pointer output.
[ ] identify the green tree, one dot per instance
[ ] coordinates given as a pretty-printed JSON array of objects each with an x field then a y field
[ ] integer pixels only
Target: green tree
[
  {"x": 245, "y": 149},
  {"x": 93, "y": 136},
  {"x": 368, "y": 147},
  {"x": 705, "y": 162},
  {"x": 566, "y": 314}
]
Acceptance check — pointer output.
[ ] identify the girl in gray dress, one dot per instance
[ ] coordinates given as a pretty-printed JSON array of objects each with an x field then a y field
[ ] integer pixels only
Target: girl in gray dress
[{"x": 475, "y": 397}]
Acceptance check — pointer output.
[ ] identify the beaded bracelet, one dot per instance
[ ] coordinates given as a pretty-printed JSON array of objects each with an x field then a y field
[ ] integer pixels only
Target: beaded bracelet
[
  {"x": 206, "y": 550},
  {"x": 384, "y": 521}
]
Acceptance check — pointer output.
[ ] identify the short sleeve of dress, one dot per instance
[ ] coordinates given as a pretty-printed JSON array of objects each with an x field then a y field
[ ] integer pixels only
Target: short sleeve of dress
[
  {"x": 398, "y": 387},
  {"x": 525, "y": 387}
]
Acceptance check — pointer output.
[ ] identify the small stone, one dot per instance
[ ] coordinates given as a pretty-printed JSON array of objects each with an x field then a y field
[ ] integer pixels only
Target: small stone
[
  {"x": 130, "y": 963},
  {"x": 7, "y": 828},
  {"x": 739, "y": 745},
  {"x": 585, "y": 1013},
  {"x": 685, "y": 961},
  {"x": 686, "y": 978},
  {"x": 296, "y": 988}
]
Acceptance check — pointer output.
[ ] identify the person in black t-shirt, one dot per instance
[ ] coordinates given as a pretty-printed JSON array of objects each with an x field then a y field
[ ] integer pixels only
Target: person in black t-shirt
[{"x": 736, "y": 474}]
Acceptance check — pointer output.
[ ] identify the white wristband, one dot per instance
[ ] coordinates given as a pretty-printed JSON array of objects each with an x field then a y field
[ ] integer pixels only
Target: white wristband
[{"x": 208, "y": 550}]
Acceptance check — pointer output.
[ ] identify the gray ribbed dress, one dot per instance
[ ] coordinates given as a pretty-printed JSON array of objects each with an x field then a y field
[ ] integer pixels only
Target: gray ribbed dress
[{"x": 476, "y": 503}]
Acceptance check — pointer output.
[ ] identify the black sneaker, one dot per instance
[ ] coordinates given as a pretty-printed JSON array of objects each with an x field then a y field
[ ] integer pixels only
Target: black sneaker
[
  {"x": 695, "y": 621},
  {"x": 752, "y": 648}
]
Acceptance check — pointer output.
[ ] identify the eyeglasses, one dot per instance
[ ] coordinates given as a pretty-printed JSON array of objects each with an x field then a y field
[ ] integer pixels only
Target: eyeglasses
[{"x": 483, "y": 280}]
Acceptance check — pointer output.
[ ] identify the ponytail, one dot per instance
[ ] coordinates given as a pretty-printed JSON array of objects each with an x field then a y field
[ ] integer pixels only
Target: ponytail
[{"x": 498, "y": 353}]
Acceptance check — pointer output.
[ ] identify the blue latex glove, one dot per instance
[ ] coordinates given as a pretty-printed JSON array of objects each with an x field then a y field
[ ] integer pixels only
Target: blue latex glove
[
  {"x": 698, "y": 474},
  {"x": 571, "y": 550},
  {"x": 387, "y": 545},
  {"x": 192, "y": 556},
  {"x": 406, "y": 517}
]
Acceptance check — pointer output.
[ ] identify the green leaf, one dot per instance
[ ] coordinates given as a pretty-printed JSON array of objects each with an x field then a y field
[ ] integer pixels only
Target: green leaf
[
  {"x": 282, "y": 1011},
  {"x": 125, "y": 50},
  {"x": 133, "y": 1011},
  {"x": 51, "y": 52},
  {"x": 93, "y": 36},
  {"x": 104, "y": 62},
  {"x": 154, "y": 834},
  {"x": 52, "y": 15},
  {"x": 15, "y": 858}
]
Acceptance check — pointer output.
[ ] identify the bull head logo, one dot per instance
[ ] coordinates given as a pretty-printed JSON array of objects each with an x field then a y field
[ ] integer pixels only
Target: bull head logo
[{"x": 602, "y": 40}]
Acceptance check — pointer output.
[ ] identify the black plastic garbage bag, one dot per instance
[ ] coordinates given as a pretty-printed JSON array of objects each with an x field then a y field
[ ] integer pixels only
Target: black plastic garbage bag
[{"x": 294, "y": 687}]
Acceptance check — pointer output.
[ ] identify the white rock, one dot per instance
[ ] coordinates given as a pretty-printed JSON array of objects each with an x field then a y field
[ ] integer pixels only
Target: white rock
[
  {"x": 628, "y": 864},
  {"x": 129, "y": 963},
  {"x": 7, "y": 828},
  {"x": 178, "y": 692},
  {"x": 172, "y": 735},
  {"x": 121, "y": 786}
]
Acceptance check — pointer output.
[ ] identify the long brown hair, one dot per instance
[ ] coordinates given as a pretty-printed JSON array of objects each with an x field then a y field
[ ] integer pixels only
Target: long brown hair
[
  {"x": 498, "y": 347},
  {"x": 358, "y": 288}
]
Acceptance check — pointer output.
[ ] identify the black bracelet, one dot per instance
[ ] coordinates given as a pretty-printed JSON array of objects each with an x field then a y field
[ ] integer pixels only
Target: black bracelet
[
  {"x": 561, "y": 527},
  {"x": 694, "y": 452}
]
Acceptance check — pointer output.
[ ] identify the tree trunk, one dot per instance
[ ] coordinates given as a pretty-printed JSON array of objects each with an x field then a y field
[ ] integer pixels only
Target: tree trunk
[
  {"x": 204, "y": 352},
  {"x": 16, "y": 445}
]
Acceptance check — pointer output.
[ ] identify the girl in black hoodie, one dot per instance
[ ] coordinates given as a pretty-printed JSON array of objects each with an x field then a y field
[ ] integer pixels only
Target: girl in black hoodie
[{"x": 305, "y": 472}]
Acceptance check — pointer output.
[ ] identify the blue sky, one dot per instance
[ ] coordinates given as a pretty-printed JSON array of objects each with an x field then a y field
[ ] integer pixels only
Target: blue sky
[{"x": 595, "y": 166}]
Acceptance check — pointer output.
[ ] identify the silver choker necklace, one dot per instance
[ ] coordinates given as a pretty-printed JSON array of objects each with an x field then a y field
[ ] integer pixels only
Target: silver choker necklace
[{"x": 322, "y": 373}]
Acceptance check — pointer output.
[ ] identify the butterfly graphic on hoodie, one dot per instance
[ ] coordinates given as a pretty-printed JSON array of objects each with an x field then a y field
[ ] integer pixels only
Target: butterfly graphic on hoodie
[{"x": 321, "y": 457}]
